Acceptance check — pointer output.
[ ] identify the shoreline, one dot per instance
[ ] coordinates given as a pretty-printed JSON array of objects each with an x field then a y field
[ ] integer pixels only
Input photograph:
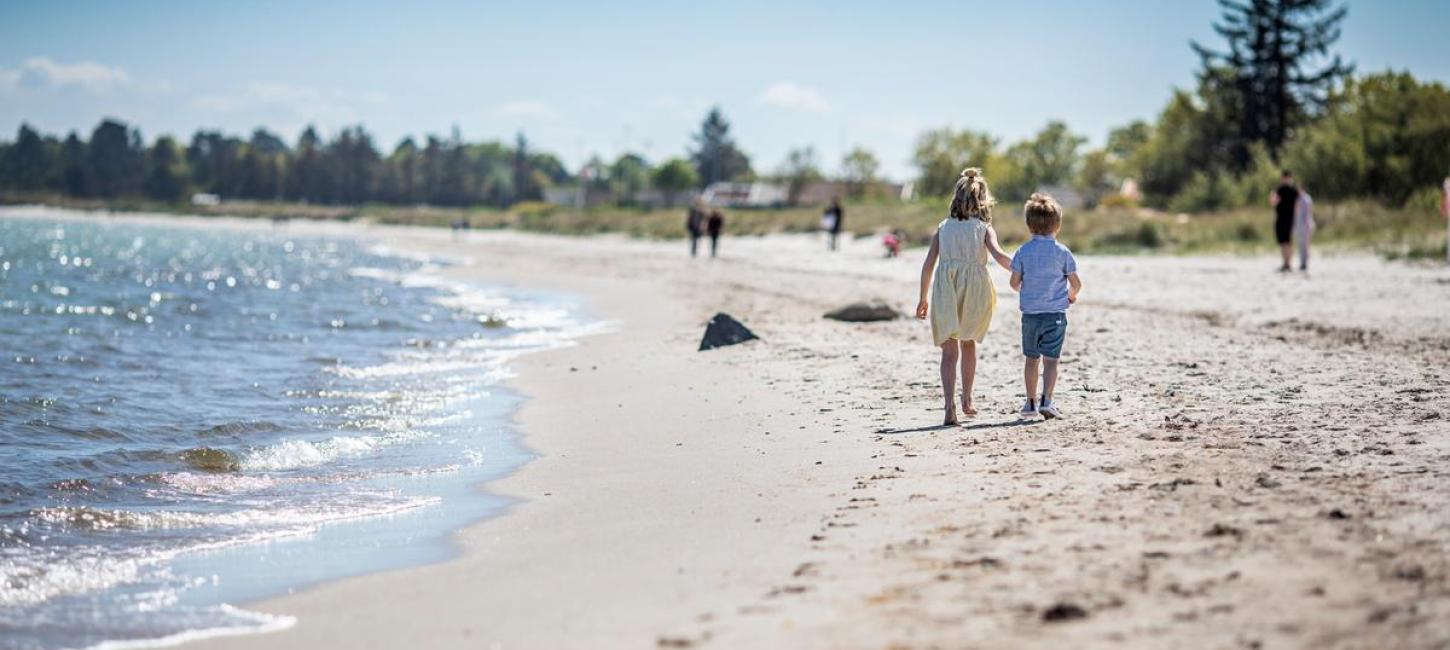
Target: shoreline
[
  {"x": 258, "y": 571},
  {"x": 1240, "y": 465}
]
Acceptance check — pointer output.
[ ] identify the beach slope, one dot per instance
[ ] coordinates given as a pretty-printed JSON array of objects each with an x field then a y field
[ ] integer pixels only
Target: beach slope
[{"x": 1248, "y": 460}]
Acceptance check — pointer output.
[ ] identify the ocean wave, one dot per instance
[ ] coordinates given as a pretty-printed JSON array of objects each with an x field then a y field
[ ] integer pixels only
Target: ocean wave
[
  {"x": 291, "y": 520},
  {"x": 295, "y": 454},
  {"x": 210, "y": 459},
  {"x": 216, "y": 483},
  {"x": 239, "y": 427}
]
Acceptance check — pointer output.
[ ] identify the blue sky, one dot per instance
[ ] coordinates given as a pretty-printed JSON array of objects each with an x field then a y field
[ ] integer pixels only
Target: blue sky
[{"x": 581, "y": 78}]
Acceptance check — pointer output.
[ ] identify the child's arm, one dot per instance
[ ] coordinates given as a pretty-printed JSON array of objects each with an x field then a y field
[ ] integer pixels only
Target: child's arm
[
  {"x": 1074, "y": 285},
  {"x": 995, "y": 249},
  {"x": 1016, "y": 281},
  {"x": 926, "y": 268}
]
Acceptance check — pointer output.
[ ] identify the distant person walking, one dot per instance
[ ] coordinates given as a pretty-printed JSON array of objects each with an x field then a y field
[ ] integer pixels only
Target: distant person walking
[
  {"x": 1445, "y": 211},
  {"x": 713, "y": 226},
  {"x": 1303, "y": 226},
  {"x": 834, "y": 220},
  {"x": 695, "y": 224},
  {"x": 1285, "y": 201}
]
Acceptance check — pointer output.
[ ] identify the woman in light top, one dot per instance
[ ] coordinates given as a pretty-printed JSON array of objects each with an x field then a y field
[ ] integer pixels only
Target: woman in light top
[
  {"x": 962, "y": 295},
  {"x": 1303, "y": 226}
]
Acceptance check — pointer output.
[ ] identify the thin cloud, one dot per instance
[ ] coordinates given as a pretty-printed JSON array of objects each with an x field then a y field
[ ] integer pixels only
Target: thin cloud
[
  {"x": 527, "y": 109},
  {"x": 302, "y": 104},
  {"x": 793, "y": 96},
  {"x": 40, "y": 73}
]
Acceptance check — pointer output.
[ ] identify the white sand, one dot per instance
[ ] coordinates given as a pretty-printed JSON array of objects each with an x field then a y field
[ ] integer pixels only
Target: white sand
[{"x": 1249, "y": 460}]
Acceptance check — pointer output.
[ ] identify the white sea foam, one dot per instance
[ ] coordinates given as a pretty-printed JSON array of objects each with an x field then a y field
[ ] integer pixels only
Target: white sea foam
[
  {"x": 294, "y": 454},
  {"x": 217, "y": 483},
  {"x": 248, "y": 622}
]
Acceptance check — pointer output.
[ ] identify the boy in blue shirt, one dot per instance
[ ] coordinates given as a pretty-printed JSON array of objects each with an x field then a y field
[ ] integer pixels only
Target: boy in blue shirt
[{"x": 1044, "y": 274}]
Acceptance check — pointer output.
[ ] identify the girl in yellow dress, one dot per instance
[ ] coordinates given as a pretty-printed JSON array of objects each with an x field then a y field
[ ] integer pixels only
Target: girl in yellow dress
[{"x": 962, "y": 295}]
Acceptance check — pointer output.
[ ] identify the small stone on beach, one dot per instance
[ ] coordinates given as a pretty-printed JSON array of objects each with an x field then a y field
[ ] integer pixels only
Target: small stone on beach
[
  {"x": 1063, "y": 612},
  {"x": 860, "y": 312}
]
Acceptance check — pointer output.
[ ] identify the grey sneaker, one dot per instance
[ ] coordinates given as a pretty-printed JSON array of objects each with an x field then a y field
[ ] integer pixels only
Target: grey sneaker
[
  {"x": 1029, "y": 410},
  {"x": 1049, "y": 411}
]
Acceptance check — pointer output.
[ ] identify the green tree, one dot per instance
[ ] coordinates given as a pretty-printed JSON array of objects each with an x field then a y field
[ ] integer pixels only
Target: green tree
[
  {"x": 629, "y": 175},
  {"x": 941, "y": 155},
  {"x": 799, "y": 170},
  {"x": 75, "y": 168},
  {"x": 675, "y": 176},
  {"x": 217, "y": 162},
  {"x": 1049, "y": 158},
  {"x": 116, "y": 160},
  {"x": 715, "y": 155},
  {"x": 526, "y": 183},
  {"x": 309, "y": 179},
  {"x": 1385, "y": 135},
  {"x": 493, "y": 169},
  {"x": 858, "y": 169},
  {"x": 1125, "y": 141},
  {"x": 1096, "y": 177},
  {"x": 398, "y": 182},
  {"x": 29, "y": 164},
  {"x": 354, "y": 160},
  {"x": 1275, "y": 48},
  {"x": 166, "y": 171},
  {"x": 1195, "y": 134}
]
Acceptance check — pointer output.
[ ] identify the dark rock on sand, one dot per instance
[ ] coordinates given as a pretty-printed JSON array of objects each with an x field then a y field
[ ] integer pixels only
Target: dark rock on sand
[
  {"x": 1063, "y": 612},
  {"x": 861, "y": 312},
  {"x": 723, "y": 330},
  {"x": 1224, "y": 530}
]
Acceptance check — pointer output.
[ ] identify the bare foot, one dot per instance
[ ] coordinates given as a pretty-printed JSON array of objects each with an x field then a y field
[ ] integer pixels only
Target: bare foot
[
  {"x": 951, "y": 418},
  {"x": 968, "y": 411}
]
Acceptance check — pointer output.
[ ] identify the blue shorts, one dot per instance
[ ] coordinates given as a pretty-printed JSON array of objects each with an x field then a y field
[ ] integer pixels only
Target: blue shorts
[{"x": 1042, "y": 334}]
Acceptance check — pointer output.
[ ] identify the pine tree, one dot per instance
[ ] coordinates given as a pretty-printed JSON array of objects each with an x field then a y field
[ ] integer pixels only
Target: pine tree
[
  {"x": 308, "y": 179},
  {"x": 1275, "y": 64},
  {"x": 116, "y": 160},
  {"x": 166, "y": 178},
  {"x": 715, "y": 155},
  {"x": 75, "y": 174},
  {"x": 526, "y": 187},
  {"x": 29, "y": 162}
]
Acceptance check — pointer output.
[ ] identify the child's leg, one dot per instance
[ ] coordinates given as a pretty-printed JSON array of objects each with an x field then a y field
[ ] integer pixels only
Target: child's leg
[
  {"x": 1029, "y": 375},
  {"x": 1049, "y": 378},
  {"x": 949, "y": 352},
  {"x": 969, "y": 374}
]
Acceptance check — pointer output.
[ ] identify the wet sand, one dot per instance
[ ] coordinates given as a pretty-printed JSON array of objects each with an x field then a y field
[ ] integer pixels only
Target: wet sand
[{"x": 1248, "y": 460}]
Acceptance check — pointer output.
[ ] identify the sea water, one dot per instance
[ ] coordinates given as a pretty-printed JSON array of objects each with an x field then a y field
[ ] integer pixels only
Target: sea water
[{"x": 193, "y": 416}]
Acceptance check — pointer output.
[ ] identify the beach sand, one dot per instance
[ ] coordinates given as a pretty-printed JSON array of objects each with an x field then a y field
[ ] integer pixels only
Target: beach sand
[{"x": 1248, "y": 460}]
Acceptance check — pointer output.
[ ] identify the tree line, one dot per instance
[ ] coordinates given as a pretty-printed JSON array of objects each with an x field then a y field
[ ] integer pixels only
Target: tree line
[
  {"x": 1275, "y": 97},
  {"x": 347, "y": 168}
]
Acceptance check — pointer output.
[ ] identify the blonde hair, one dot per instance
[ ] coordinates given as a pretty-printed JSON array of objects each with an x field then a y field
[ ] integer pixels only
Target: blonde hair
[
  {"x": 1044, "y": 215},
  {"x": 972, "y": 197}
]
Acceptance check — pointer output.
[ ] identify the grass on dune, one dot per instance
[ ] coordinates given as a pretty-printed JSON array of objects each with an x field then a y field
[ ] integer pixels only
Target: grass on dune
[{"x": 1414, "y": 232}]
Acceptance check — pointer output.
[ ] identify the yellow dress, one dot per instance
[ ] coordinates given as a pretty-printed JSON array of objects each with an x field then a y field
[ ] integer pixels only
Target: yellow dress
[{"x": 962, "y": 295}]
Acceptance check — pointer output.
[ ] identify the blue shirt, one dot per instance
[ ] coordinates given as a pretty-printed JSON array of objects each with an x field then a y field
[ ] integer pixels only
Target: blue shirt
[{"x": 1044, "y": 264}]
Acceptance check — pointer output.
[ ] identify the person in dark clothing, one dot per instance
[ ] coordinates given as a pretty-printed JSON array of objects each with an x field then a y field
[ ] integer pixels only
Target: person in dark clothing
[
  {"x": 1285, "y": 199},
  {"x": 695, "y": 223},
  {"x": 713, "y": 226},
  {"x": 836, "y": 216}
]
